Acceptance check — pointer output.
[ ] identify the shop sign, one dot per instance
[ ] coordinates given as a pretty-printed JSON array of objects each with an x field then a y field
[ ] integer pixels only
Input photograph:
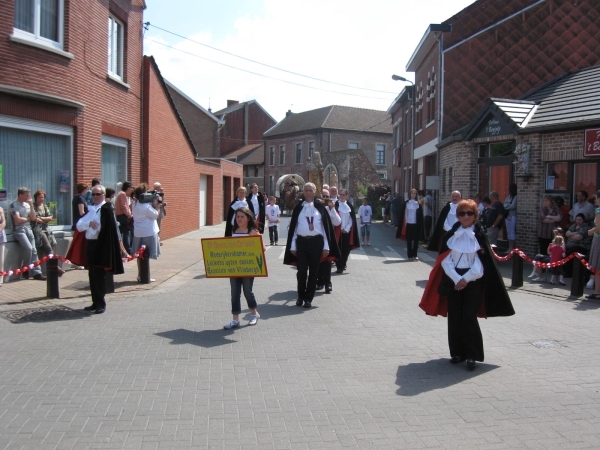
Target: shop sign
[{"x": 592, "y": 142}]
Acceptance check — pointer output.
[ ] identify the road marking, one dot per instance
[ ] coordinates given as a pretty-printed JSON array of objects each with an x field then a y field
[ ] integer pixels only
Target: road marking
[
  {"x": 393, "y": 256},
  {"x": 425, "y": 257},
  {"x": 358, "y": 254},
  {"x": 282, "y": 253}
]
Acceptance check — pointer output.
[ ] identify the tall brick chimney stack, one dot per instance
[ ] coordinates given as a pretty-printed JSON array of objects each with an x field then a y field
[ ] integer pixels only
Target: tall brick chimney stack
[{"x": 232, "y": 102}]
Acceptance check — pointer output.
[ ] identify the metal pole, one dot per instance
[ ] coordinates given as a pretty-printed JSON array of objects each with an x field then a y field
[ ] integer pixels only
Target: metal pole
[
  {"x": 517, "y": 272},
  {"x": 577, "y": 282},
  {"x": 52, "y": 279}
]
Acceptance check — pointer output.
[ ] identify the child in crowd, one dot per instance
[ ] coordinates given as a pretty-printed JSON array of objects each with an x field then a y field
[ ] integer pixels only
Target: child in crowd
[
  {"x": 556, "y": 250},
  {"x": 272, "y": 212},
  {"x": 244, "y": 226},
  {"x": 537, "y": 271},
  {"x": 365, "y": 212}
]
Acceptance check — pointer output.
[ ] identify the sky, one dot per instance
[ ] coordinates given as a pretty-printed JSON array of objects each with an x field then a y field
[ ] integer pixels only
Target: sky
[{"x": 321, "y": 45}]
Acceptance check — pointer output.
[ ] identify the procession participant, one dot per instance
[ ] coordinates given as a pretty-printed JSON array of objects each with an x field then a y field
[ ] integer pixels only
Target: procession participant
[
  {"x": 310, "y": 239},
  {"x": 103, "y": 251},
  {"x": 333, "y": 194},
  {"x": 349, "y": 239},
  {"x": 237, "y": 203},
  {"x": 445, "y": 222},
  {"x": 324, "y": 278},
  {"x": 476, "y": 288},
  {"x": 256, "y": 203},
  {"x": 244, "y": 226},
  {"x": 410, "y": 224}
]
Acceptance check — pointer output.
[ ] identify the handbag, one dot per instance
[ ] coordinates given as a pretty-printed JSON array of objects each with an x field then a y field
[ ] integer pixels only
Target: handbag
[{"x": 446, "y": 286}]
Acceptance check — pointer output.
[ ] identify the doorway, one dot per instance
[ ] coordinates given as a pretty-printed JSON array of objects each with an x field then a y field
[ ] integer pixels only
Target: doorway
[{"x": 203, "y": 191}]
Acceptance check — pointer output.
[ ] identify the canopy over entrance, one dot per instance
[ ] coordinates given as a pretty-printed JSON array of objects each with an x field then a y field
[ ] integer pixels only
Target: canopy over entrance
[{"x": 290, "y": 177}]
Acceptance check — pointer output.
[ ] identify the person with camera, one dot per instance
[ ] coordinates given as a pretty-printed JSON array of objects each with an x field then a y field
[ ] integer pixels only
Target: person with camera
[
  {"x": 145, "y": 226},
  {"x": 162, "y": 211},
  {"x": 123, "y": 213}
]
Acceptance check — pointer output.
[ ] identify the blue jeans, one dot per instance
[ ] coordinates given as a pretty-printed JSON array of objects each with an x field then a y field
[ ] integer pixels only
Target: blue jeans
[
  {"x": 236, "y": 292},
  {"x": 365, "y": 229},
  {"x": 27, "y": 243}
]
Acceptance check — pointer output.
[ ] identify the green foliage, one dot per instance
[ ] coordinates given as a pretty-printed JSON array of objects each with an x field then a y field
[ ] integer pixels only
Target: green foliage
[{"x": 374, "y": 192}]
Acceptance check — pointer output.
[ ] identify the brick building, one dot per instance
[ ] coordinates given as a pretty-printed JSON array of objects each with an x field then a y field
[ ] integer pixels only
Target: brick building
[
  {"x": 355, "y": 143},
  {"x": 489, "y": 49}
]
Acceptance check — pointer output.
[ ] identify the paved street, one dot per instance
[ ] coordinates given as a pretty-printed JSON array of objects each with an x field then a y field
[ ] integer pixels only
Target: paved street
[{"x": 365, "y": 368}]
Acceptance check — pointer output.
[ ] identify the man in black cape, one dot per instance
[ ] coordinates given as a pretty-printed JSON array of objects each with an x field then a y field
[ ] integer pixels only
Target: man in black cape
[
  {"x": 309, "y": 242},
  {"x": 444, "y": 223},
  {"x": 103, "y": 249},
  {"x": 238, "y": 202},
  {"x": 256, "y": 203}
]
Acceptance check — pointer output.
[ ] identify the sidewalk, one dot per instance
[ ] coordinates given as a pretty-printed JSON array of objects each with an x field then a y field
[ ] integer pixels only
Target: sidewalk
[{"x": 177, "y": 255}]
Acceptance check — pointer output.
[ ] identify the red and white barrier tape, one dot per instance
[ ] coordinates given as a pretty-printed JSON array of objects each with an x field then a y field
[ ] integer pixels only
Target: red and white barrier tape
[{"x": 543, "y": 265}]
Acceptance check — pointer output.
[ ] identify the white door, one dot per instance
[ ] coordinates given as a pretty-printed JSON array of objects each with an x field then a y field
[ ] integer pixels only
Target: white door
[{"x": 203, "y": 189}]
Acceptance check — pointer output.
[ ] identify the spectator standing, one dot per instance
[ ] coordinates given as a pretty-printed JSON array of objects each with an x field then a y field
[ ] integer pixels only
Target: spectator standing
[
  {"x": 537, "y": 273},
  {"x": 578, "y": 241},
  {"x": 582, "y": 206},
  {"x": 124, "y": 215},
  {"x": 273, "y": 215},
  {"x": 88, "y": 194},
  {"x": 556, "y": 250},
  {"x": 427, "y": 214},
  {"x": 549, "y": 218},
  {"x": 565, "y": 218},
  {"x": 110, "y": 197},
  {"x": 22, "y": 214},
  {"x": 79, "y": 205},
  {"x": 44, "y": 238},
  {"x": 162, "y": 211},
  {"x": 494, "y": 228},
  {"x": 2, "y": 242},
  {"x": 510, "y": 208},
  {"x": 365, "y": 213},
  {"x": 145, "y": 227},
  {"x": 595, "y": 250}
]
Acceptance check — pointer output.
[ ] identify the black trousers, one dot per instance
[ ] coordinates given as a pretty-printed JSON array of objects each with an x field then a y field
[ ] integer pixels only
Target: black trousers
[
  {"x": 427, "y": 222},
  {"x": 324, "y": 273},
  {"x": 273, "y": 234},
  {"x": 308, "y": 257},
  {"x": 96, "y": 275},
  {"x": 344, "y": 251},
  {"x": 464, "y": 335},
  {"x": 412, "y": 239}
]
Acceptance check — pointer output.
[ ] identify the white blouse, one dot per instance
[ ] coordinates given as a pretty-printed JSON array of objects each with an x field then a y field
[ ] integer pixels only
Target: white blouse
[
  {"x": 463, "y": 247},
  {"x": 411, "y": 211}
]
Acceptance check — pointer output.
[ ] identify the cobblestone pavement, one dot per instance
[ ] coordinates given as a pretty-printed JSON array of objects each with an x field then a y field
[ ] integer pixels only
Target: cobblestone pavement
[{"x": 363, "y": 369}]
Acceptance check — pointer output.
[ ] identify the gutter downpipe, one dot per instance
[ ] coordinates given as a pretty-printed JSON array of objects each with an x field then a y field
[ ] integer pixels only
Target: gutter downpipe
[{"x": 440, "y": 40}]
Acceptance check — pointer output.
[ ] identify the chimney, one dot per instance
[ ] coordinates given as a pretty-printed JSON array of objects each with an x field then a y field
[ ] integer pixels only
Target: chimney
[
  {"x": 232, "y": 102},
  {"x": 288, "y": 113}
]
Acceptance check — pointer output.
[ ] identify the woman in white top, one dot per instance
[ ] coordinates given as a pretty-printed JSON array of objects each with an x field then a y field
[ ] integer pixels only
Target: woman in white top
[
  {"x": 244, "y": 226},
  {"x": 410, "y": 224},
  {"x": 145, "y": 226}
]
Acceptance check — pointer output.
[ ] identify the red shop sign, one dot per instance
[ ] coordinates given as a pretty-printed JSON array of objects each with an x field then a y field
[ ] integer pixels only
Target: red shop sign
[{"x": 592, "y": 142}]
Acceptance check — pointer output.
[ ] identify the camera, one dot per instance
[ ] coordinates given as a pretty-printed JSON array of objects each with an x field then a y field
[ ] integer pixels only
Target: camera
[{"x": 151, "y": 196}]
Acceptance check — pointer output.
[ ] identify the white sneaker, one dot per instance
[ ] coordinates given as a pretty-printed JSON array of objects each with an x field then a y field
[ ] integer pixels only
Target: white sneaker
[
  {"x": 532, "y": 275},
  {"x": 254, "y": 319},
  {"x": 537, "y": 279},
  {"x": 232, "y": 324},
  {"x": 590, "y": 284}
]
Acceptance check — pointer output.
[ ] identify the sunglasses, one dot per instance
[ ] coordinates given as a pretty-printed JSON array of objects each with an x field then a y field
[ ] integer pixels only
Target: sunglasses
[
  {"x": 95, "y": 194},
  {"x": 466, "y": 213}
]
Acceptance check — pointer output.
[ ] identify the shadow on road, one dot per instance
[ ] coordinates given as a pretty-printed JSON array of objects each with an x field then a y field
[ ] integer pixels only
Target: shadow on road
[
  {"x": 416, "y": 378},
  {"x": 204, "y": 338},
  {"x": 44, "y": 314}
]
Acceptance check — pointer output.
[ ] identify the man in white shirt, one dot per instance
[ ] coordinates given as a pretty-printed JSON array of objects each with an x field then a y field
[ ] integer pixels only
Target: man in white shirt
[
  {"x": 324, "y": 279},
  {"x": 103, "y": 249},
  {"x": 582, "y": 207},
  {"x": 310, "y": 240},
  {"x": 256, "y": 203}
]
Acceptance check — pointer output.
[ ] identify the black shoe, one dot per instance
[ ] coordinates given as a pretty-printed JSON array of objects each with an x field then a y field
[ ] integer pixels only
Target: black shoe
[
  {"x": 90, "y": 308},
  {"x": 299, "y": 302},
  {"x": 471, "y": 364},
  {"x": 307, "y": 304},
  {"x": 456, "y": 359},
  {"x": 100, "y": 310},
  {"x": 319, "y": 287},
  {"x": 25, "y": 275},
  {"x": 339, "y": 271},
  {"x": 328, "y": 288},
  {"x": 40, "y": 277}
]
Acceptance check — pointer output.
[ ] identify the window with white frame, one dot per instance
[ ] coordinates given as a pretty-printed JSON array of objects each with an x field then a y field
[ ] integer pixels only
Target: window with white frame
[
  {"x": 353, "y": 145},
  {"x": 38, "y": 155},
  {"x": 311, "y": 148},
  {"x": 114, "y": 161},
  {"x": 115, "y": 47},
  {"x": 271, "y": 185},
  {"x": 281, "y": 155},
  {"x": 382, "y": 175},
  {"x": 271, "y": 156},
  {"x": 40, "y": 20},
  {"x": 380, "y": 154},
  {"x": 299, "y": 153}
]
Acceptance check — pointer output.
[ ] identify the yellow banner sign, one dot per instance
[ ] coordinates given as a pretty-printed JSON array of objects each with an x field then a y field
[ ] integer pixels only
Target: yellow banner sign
[{"x": 234, "y": 257}]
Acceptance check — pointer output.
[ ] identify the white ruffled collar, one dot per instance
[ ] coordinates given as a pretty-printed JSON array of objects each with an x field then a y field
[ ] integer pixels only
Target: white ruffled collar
[
  {"x": 343, "y": 207},
  {"x": 239, "y": 204},
  {"x": 464, "y": 240}
]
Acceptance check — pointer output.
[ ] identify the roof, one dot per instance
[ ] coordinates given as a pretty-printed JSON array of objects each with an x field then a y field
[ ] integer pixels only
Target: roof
[
  {"x": 336, "y": 118},
  {"x": 224, "y": 111},
  {"x": 208, "y": 113},
  {"x": 242, "y": 150}
]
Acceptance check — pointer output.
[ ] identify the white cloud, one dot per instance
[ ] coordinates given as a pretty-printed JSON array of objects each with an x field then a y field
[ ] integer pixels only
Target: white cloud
[{"x": 351, "y": 42}]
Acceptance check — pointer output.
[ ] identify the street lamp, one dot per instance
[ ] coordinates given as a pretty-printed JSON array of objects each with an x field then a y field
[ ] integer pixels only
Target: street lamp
[{"x": 412, "y": 126}]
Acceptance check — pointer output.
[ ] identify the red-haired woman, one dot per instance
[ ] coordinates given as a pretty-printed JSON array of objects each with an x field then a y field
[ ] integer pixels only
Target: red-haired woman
[{"x": 478, "y": 291}]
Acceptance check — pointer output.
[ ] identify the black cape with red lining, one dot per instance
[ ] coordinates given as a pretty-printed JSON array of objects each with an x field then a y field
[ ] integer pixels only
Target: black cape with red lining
[
  {"x": 354, "y": 239},
  {"x": 334, "y": 251},
  {"x": 401, "y": 232},
  {"x": 438, "y": 232},
  {"x": 495, "y": 302},
  {"x": 109, "y": 254}
]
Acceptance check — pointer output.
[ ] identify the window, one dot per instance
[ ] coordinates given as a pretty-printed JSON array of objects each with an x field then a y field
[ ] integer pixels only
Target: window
[
  {"x": 353, "y": 145},
  {"x": 115, "y": 47},
  {"x": 271, "y": 185},
  {"x": 382, "y": 175},
  {"x": 114, "y": 161},
  {"x": 298, "y": 153},
  {"x": 40, "y": 20},
  {"x": 431, "y": 95},
  {"x": 271, "y": 156},
  {"x": 380, "y": 154},
  {"x": 281, "y": 155},
  {"x": 496, "y": 149},
  {"x": 584, "y": 177},
  {"x": 255, "y": 171},
  {"x": 557, "y": 176},
  {"x": 37, "y": 155},
  {"x": 311, "y": 148}
]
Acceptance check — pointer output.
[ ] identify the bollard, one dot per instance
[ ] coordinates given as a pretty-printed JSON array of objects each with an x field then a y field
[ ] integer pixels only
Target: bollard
[
  {"x": 109, "y": 283},
  {"x": 52, "y": 279},
  {"x": 144, "y": 263},
  {"x": 577, "y": 283},
  {"x": 517, "y": 272}
]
